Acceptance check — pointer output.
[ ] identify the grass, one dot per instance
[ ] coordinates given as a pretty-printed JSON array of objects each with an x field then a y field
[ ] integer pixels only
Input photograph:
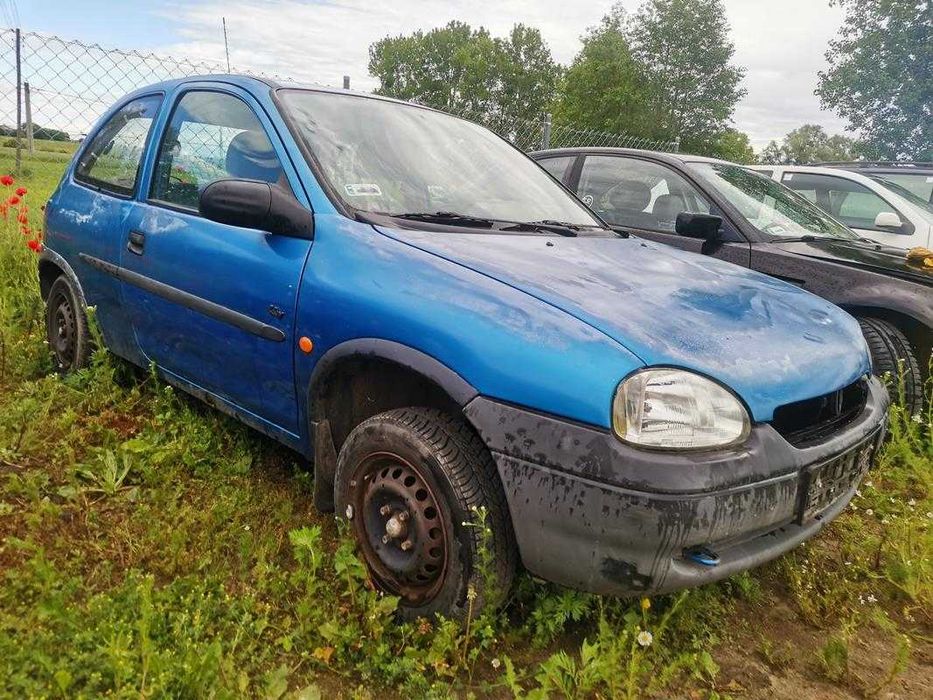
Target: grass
[{"x": 150, "y": 546}]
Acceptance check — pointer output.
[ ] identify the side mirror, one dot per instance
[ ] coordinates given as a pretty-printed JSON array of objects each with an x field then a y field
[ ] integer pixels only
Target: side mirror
[
  {"x": 254, "y": 204},
  {"x": 704, "y": 226},
  {"x": 888, "y": 219}
]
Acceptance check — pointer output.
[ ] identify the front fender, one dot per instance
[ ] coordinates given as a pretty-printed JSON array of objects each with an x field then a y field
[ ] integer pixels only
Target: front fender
[{"x": 363, "y": 291}]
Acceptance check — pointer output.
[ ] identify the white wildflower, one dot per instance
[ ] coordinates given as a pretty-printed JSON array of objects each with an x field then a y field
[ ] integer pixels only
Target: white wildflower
[
  {"x": 869, "y": 511},
  {"x": 644, "y": 638},
  {"x": 911, "y": 502},
  {"x": 496, "y": 663},
  {"x": 916, "y": 418},
  {"x": 871, "y": 598}
]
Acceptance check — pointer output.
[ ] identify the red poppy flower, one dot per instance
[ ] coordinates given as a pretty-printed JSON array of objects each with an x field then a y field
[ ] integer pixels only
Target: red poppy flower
[
  {"x": 35, "y": 246},
  {"x": 6, "y": 180},
  {"x": 21, "y": 191},
  {"x": 14, "y": 200}
]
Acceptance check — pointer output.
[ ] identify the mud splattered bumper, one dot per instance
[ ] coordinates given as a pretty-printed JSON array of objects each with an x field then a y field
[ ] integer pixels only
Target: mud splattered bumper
[{"x": 593, "y": 513}]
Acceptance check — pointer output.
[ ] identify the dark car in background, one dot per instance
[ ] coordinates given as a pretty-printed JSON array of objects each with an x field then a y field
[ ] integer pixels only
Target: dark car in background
[{"x": 726, "y": 211}]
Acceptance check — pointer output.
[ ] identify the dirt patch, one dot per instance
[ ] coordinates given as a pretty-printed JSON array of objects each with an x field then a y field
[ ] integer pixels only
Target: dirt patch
[{"x": 776, "y": 654}]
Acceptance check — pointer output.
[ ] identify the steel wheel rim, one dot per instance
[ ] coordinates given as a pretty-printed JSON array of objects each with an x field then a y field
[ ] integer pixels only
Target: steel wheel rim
[
  {"x": 62, "y": 331},
  {"x": 398, "y": 523}
]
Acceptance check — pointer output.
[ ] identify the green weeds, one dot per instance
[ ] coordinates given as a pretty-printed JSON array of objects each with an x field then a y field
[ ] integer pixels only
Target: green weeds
[{"x": 150, "y": 546}]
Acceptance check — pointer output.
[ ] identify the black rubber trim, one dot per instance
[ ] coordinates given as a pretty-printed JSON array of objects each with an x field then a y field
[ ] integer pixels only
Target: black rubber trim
[
  {"x": 189, "y": 301},
  {"x": 460, "y": 390}
]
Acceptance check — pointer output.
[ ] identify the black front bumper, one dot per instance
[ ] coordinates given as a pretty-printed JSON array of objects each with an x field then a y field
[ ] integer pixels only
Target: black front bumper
[{"x": 593, "y": 513}]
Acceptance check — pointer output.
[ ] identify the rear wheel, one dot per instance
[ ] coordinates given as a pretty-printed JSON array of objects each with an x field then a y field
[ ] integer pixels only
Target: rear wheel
[
  {"x": 892, "y": 353},
  {"x": 66, "y": 326},
  {"x": 412, "y": 483}
]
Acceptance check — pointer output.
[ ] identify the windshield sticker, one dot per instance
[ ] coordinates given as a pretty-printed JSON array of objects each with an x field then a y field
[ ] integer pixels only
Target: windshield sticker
[
  {"x": 930, "y": 179},
  {"x": 588, "y": 200},
  {"x": 437, "y": 191},
  {"x": 788, "y": 177},
  {"x": 363, "y": 189}
]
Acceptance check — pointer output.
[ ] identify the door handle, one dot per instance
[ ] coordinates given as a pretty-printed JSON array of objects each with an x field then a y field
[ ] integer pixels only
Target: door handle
[{"x": 136, "y": 243}]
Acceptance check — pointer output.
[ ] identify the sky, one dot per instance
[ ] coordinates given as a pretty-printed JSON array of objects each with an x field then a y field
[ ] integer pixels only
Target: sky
[{"x": 780, "y": 42}]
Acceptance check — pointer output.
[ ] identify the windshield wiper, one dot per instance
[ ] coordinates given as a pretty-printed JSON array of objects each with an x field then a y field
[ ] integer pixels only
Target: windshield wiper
[
  {"x": 559, "y": 227},
  {"x": 447, "y": 217}
]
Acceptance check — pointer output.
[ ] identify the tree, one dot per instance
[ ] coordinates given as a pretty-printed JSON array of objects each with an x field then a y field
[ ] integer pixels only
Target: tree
[
  {"x": 685, "y": 56},
  {"x": 458, "y": 69},
  {"x": 603, "y": 89},
  {"x": 733, "y": 145},
  {"x": 810, "y": 144},
  {"x": 880, "y": 75}
]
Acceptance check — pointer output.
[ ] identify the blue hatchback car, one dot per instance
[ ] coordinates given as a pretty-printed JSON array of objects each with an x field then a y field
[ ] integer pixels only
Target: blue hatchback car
[{"x": 449, "y": 335}]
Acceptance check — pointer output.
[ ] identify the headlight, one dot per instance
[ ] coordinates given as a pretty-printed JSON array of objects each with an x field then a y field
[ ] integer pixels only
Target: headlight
[{"x": 673, "y": 409}]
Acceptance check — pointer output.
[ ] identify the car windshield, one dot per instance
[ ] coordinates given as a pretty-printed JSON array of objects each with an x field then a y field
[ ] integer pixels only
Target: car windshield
[
  {"x": 926, "y": 207},
  {"x": 768, "y": 205},
  {"x": 398, "y": 159}
]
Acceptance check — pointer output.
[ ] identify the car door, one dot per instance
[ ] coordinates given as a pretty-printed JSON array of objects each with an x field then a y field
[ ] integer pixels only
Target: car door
[
  {"x": 854, "y": 204},
  {"x": 85, "y": 218},
  {"x": 645, "y": 196},
  {"x": 213, "y": 304}
]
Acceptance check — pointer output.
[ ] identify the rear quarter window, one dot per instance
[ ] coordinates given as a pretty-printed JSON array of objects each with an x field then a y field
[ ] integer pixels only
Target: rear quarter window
[{"x": 112, "y": 158}]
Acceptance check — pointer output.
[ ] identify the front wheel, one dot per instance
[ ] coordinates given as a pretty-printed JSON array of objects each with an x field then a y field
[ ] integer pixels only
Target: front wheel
[
  {"x": 66, "y": 326},
  {"x": 892, "y": 353},
  {"x": 413, "y": 483}
]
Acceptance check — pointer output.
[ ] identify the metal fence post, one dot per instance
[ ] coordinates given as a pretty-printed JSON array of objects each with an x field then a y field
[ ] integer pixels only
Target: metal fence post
[
  {"x": 346, "y": 82},
  {"x": 19, "y": 104},
  {"x": 30, "y": 146},
  {"x": 546, "y": 132},
  {"x": 677, "y": 144}
]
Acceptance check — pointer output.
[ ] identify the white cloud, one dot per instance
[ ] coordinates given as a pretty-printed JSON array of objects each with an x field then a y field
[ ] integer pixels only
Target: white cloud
[{"x": 780, "y": 43}]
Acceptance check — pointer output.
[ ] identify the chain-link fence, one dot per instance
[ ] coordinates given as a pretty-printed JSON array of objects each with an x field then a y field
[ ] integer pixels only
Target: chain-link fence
[
  {"x": 55, "y": 89},
  {"x": 535, "y": 135}
]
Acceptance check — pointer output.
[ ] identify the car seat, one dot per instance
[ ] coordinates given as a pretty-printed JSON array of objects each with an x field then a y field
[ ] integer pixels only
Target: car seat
[
  {"x": 625, "y": 203},
  {"x": 666, "y": 208},
  {"x": 250, "y": 156}
]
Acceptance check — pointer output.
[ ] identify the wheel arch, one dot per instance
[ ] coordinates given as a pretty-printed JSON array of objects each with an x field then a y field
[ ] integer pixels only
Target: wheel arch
[
  {"x": 51, "y": 267},
  {"x": 919, "y": 334},
  {"x": 360, "y": 378}
]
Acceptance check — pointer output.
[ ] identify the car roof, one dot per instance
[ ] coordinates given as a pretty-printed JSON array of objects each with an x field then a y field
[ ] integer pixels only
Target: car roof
[
  {"x": 673, "y": 158},
  {"x": 259, "y": 82},
  {"x": 886, "y": 166},
  {"x": 817, "y": 170}
]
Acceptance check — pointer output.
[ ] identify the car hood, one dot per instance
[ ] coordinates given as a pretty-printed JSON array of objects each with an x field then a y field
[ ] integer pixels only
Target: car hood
[
  {"x": 882, "y": 259},
  {"x": 770, "y": 342}
]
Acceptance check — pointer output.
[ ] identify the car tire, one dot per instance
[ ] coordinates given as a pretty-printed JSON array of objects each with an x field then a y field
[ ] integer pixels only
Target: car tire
[
  {"x": 412, "y": 482},
  {"x": 890, "y": 352},
  {"x": 66, "y": 326}
]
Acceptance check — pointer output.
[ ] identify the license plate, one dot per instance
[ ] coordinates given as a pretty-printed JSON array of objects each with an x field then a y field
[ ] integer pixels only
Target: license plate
[{"x": 825, "y": 483}]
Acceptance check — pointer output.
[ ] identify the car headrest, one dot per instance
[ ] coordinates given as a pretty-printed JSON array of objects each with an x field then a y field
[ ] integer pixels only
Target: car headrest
[
  {"x": 629, "y": 195},
  {"x": 250, "y": 156},
  {"x": 668, "y": 206}
]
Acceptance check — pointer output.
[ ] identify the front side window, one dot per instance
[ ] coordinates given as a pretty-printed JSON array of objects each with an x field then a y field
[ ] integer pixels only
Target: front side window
[
  {"x": 768, "y": 205},
  {"x": 851, "y": 202},
  {"x": 395, "y": 159},
  {"x": 638, "y": 193},
  {"x": 111, "y": 160},
  {"x": 211, "y": 136}
]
